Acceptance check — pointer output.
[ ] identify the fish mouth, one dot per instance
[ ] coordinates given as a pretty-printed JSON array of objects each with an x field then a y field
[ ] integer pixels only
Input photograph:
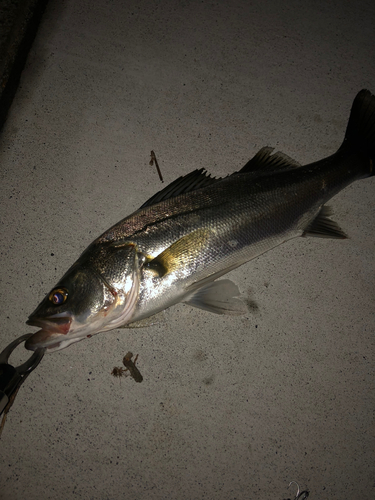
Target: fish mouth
[{"x": 52, "y": 334}]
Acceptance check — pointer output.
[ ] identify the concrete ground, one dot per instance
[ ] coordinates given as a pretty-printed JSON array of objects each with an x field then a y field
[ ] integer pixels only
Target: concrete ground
[{"x": 230, "y": 407}]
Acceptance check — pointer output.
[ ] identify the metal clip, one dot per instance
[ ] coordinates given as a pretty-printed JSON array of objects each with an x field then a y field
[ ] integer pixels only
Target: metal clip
[{"x": 11, "y": 378}]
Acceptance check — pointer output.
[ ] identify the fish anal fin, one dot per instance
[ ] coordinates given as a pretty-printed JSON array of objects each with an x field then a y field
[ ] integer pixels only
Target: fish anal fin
[
  {"x": 323, "y": 227},
  {"x": 219, "y": 297}
]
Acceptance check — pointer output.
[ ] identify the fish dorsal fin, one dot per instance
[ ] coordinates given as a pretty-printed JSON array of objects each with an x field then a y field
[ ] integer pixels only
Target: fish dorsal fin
[
  {"x": 323, "y": 227},
  {"x": 264, "y": 162},
  {"x": 185, "y": 184}
]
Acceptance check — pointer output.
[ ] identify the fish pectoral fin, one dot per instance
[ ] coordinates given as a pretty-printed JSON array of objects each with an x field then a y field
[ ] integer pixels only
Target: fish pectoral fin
[
  {"x": 181, "y": 254},
  {"x": 323, "y": 227},
  {"x": 219, "y": 297}
]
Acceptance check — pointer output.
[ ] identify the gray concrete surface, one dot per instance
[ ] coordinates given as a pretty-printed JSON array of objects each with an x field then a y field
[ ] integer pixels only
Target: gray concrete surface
[{"x": 230, "y": 408}]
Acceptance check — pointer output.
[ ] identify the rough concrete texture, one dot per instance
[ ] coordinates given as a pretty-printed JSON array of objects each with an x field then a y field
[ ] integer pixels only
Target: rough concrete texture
[{"x": 230, "y": 408}]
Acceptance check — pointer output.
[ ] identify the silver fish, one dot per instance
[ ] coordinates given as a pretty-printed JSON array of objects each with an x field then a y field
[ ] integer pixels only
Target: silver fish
[{"x": 197, "y": 229}]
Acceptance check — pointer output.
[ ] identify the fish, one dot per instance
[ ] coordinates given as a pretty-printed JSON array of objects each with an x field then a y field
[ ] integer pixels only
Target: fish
[{"x": 177, "y": 245}]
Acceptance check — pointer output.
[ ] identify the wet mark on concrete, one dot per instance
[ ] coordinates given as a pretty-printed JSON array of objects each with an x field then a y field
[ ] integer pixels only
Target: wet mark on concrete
[{"x": 208, "y": 380}]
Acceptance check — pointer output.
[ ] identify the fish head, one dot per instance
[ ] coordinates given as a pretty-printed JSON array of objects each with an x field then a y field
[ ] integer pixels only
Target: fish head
[{"x": 98, "y": 293}]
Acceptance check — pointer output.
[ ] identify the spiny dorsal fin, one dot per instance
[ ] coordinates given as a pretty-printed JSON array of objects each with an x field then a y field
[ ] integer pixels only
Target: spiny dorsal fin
[
  {"x": 263, "y": 162},
  {"x": 322, "y": 227},
  {"x": 185, "y": 184}
]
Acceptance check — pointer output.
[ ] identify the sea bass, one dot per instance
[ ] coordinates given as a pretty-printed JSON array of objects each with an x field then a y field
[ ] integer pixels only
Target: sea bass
[{"x": 175, "y": 247}]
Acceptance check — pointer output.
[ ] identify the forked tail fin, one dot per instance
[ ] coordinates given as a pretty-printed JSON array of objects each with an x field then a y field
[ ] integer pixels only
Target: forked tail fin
[{"x": 360, "y": 132}]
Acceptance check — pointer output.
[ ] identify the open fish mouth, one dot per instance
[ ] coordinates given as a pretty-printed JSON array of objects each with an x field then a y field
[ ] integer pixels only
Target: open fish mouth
[
  {"x": 45, "y": 339},
  {"x": 53, "y": 333}
]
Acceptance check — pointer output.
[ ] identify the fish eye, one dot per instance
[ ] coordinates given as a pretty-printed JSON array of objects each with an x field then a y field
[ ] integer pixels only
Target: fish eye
[{"x": 58, "y": 296}]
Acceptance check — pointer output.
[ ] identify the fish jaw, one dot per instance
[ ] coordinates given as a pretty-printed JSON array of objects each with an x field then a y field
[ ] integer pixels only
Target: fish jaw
[
  {"x": 52, "y": 341},
  {"x": 59, "y": 333},
  {"x": 59, "y": 323},
  {"x": 54, "y": 330},
  {"x": 56, "y": 335}
]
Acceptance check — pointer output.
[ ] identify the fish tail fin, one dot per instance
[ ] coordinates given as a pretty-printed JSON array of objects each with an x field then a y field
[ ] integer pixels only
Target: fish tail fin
[{"x": 360, "y": 132}]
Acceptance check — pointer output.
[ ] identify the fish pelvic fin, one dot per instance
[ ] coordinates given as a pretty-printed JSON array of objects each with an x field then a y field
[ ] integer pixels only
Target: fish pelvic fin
[
  {"x": 155, "y": 319},
  {"x": 323, "y": 227},
  {"x": 360, "y": 132},
  {"x": 219, "y": 297}
]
